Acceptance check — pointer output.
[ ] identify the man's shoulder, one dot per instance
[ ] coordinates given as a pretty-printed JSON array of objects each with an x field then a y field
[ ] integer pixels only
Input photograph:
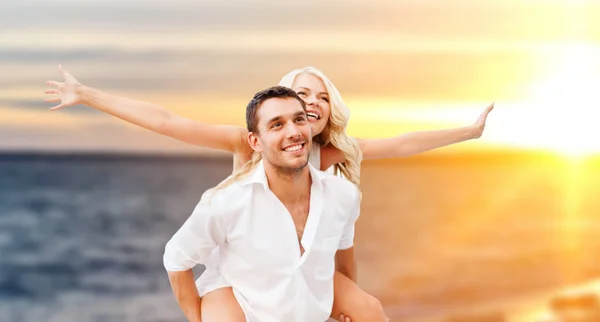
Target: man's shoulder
[
  {"x": 338, "y": 186},
  {"x": 334, "y": 179},
  {"x": 230, "y": 196}
]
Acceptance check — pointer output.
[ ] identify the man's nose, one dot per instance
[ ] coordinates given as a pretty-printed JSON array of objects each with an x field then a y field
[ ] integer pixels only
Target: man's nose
[{"x": 293, "y": 132}]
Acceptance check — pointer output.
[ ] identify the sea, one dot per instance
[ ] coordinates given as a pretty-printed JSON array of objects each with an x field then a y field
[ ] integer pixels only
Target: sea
[{"x": 82, "y": 235}]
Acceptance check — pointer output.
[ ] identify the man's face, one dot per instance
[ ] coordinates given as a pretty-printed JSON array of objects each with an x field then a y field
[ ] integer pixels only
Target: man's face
[{"x": 284, "y": 135}]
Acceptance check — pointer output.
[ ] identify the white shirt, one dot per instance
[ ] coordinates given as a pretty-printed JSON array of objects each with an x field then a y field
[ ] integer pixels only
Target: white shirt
[
  {"x": 259, "y": 254},
  {"x": 315, "y": 160}
]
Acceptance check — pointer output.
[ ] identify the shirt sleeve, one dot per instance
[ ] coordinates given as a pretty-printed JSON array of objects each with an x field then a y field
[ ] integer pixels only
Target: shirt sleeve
[
  {"x": 347, "y": 240},
  {"x": 193, "y": 243}
]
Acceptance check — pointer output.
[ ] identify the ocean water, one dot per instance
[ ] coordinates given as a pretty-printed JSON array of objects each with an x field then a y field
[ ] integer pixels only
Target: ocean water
[
  {"x": 82, "y": 237},
  {"x": 82, "y": 240}
]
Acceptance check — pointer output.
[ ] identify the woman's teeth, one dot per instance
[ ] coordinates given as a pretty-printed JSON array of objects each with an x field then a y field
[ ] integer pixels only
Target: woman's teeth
[{"x": 313, "y": 115}]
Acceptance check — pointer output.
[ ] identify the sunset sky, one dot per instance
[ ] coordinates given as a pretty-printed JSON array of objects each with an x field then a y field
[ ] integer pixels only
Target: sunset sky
[{"x": 401, "y": 66}]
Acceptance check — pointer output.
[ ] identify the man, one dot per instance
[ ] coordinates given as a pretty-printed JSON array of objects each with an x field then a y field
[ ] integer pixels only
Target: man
[{"x": 277, "y": 223}]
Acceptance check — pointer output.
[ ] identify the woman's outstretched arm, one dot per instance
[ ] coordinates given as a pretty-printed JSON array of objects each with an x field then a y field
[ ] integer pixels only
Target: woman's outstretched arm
[
  {"x": 417, "y": 142},
  {"x": 150, "y": 116}
]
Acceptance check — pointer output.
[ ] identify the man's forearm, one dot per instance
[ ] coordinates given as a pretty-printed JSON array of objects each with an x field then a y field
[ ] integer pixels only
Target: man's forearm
[{"x": 185, "y": 291}]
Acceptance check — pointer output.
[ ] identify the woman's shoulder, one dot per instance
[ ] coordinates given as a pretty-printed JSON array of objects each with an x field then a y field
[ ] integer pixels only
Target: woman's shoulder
[{"x": 330, "y": 155}]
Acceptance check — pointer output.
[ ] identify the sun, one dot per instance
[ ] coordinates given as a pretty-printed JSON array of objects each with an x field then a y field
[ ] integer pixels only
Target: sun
[
  {"x": 568, "y": 102},
  {"x": 559, "y": 113}
]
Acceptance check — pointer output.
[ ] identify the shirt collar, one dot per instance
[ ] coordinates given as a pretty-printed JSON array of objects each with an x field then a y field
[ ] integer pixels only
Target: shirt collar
[{"x": 258, "y": 175}]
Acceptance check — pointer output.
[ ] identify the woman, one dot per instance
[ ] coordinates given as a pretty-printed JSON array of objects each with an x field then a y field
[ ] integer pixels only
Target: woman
[{"x": 328, "y": 116}]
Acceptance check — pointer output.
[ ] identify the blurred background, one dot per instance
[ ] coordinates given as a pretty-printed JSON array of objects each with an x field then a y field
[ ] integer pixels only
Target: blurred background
[{"x": 487, "y": 230}]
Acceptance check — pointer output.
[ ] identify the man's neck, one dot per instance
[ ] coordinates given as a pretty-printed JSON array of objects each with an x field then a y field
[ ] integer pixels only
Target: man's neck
[{"x": 289, "y": 187}]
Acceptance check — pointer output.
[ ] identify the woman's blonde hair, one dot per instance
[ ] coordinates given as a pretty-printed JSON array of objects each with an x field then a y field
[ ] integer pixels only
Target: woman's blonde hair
[
  {"x": 334, "y": 132},
  {"x": 241, "y": 172}
]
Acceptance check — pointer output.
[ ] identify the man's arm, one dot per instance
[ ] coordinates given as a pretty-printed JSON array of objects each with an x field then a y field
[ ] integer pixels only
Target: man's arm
[
  {"x": 186, "y": 293},
  {"x": 345, "y": 263},
  {"x": 192, "y": 244}
]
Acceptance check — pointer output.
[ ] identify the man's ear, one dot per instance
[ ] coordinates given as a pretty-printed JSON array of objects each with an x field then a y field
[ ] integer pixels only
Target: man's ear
[{"x": 254, "y": 142}]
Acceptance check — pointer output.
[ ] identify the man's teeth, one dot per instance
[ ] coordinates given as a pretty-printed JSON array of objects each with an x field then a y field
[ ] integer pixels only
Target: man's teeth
[{"x": 293, "y": 148}]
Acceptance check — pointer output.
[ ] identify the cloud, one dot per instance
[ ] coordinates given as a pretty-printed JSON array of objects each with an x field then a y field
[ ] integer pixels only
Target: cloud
[
  {"x": 412, "y": 76},
  {"x": 485, "y": 19},
  {"x": 40, "y": 105},
  {"x": 32, "y": 55},
  {"x": 177, "y": 15},
  {"x": 205, "y": 54},
  {"x": 107, "y": 138}
]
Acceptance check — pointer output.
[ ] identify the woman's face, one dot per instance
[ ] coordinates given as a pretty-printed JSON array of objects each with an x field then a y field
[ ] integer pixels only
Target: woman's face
[{"x": 312, "y": 90}]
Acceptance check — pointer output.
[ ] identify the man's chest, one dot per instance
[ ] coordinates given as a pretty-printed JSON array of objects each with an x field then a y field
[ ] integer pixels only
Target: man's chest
[
  {"x": 298, "y": 213},
  {"x": 276, "y": 231}
]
